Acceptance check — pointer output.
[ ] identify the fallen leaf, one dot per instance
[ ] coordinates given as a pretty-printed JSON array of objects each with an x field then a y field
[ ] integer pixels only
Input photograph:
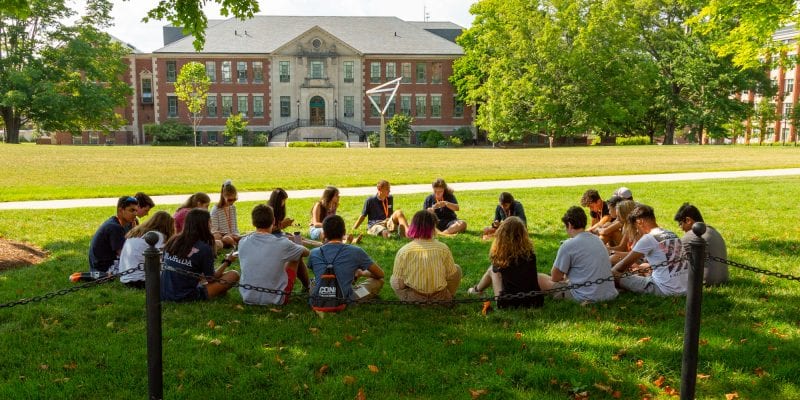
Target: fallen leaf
[
  {"x": 373, "y": 368},
  {"x": 499, "y": 371},
  {"x": 110, "y": 324},
  {"x": 279, "y": 359},
  {"x": 323, "y": 370},
  {"x": 313, "y": 330},
  {"x": 639, "y": 363},
  {"x": 772, "y": 348},
  {"x": 239, "y": 307},
  {"x": 703, "y": 376},
  {"x": 349, "y": 380},
  {"x": 553, "y": 381},
  {"x": 731, "y": 396},
  {"x": 71, "y": 365},
  {"x": 44, "y": 367},
  {"x": 660, "y": 381},
  {"x": 643, "y": 340},
  {"x": 215, "y": 342},
  {"x": 337, "y": 344},
  {"x": 743, "y": 341},
  {"x": 581, "y": 396},
  {"x": 670, "y": 391},
  {"x": 487, "y": 307},
  {"x": 61, "y": 380},
  {"x": 759, "y": 372},
  {"x": 348, "y": 338},
  {"x": 211, "y": 324},
  {"x": 484, "y": 358},
  {"x": 642, "y": 388},
  {"x": 616, "y": 394},
  {"x": 703, "y": 342},
  {"x": 475, "y": 393},
  {"x": 518, "y": 335},
  {"x": 276, "y": 310},
  {"x": 360, "y": 395}
]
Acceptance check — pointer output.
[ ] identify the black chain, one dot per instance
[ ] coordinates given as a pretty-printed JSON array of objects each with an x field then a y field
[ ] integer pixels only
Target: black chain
[
  {"x": 754, "y": 269},
  {"x": 63, "y": 292}
]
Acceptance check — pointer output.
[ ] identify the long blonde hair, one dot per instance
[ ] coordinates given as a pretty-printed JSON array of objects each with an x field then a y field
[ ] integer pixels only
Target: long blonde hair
[
  {"x": 160, "y": 222},
  {"x": 624, "y": 209},
  {"x": 511, "y": 243}
]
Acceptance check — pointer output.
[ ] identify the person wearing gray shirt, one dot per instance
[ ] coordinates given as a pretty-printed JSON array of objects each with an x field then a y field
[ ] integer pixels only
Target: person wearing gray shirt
[
  {"x": 715, "y": 272},
  {"x": 581, "y": 258}
]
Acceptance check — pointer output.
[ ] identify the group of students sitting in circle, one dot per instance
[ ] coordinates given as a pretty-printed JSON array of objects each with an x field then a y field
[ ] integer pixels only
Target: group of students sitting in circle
[{"x": 622, "y": 240}]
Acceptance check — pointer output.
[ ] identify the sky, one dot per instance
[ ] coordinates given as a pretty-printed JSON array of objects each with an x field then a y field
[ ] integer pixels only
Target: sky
[{"x": 128, "y": 25}]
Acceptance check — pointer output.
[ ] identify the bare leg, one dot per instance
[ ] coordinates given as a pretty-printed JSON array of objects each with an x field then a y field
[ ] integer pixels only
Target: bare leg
[
  {"x": 302, "y": 274},
  {"x": 457, "y": 227},
  {"x": 221, "y": 286}
]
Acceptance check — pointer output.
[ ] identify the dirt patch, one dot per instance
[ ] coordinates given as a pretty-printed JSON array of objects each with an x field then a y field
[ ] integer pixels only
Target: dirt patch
[{"x": 15, "y": 254}]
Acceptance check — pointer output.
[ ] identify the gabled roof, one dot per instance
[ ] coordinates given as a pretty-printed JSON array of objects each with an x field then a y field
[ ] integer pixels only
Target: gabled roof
[{"x": 367, "y": 35}]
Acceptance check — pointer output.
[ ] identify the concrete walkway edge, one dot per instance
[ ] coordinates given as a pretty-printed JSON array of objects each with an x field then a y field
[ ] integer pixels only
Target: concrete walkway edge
[{"x": 425, "y": 188}]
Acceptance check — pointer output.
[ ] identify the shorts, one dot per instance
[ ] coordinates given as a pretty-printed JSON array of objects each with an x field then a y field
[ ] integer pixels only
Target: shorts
[
  {"x": 640, "y": 284},
  {"x": 562, "y": 294},
  {"x": 378, "y": 227},
  {"x": 442, "y": 225},
  {"x": 314, "y": 233}
]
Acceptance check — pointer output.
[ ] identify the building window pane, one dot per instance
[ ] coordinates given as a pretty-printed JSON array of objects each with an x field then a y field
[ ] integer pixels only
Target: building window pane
[
  {"x": 436, "y": 73},
  {"x": 317, "y": 70},
  {"x": 421, "y": 106},
  {"x": 374, "y": 112},
  {"x": 787, "y": 109},
  {"x": 172, "y": 107},
  {"x": 405, "y": 69},
  {"x": 789, "y": 86},
  {"x": 172, "y": 71},
  {"x": 390, "y": 111},
  {"x": 283, "y": 70},
  {"x": 227, "y": 106},
  {"x": 458, "y": 108},
  {"x": 436, "y": 106},
  {"x": 405, "y": 104},
  {"x": 391, "y": 71},
  {"x": 421, "y": 73},
  {"x": 211, "y": 71},
  {"x": 258, "y": 106},
  {"x": 348, "y": 71},
  {"x": 241, "y": 71},
  {"x": 258, "y": 72},
  {"x": 286, "y": 108},
  {"x": 349, "y": 106},
  {"x": 375, "y": 72},
  {"x": 211, "y": 106},
  {"x": 226, "y": 72},
  {"x": 147, "y": 91},
  {"x": 242, "y": 105}
]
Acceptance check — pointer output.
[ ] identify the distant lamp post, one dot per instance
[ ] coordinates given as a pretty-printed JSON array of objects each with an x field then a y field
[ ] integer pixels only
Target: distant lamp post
[
  {"x": 298, "y": 112},
  {"x": 335, "y": 112}
]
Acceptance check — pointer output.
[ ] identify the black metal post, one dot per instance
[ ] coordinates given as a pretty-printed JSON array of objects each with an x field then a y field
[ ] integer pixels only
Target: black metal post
[
  {"x": 694, "y": 298},
  {"x": 152, "y": 271}
]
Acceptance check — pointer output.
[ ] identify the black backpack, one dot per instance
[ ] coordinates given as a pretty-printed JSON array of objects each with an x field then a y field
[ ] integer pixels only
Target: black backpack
[{"x": 329, "y": 294}]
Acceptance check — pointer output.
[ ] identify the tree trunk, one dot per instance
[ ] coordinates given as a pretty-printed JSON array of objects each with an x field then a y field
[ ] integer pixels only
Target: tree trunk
[
  {"x": 12, "y": 124},
  {"x": 669, "y": 131}
]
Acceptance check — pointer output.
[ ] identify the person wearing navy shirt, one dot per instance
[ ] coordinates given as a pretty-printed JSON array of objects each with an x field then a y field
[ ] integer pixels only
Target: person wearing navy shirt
[
  {"x": 109, "y": 238},
  {"x": 443, "y": 203},
  {"x": 381, "y": 217}
]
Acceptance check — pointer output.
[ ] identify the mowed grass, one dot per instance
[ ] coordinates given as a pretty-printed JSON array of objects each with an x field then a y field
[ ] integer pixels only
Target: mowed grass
[
  {"x": 34, "y": 172},
  {"x": 91, "y": 344}
]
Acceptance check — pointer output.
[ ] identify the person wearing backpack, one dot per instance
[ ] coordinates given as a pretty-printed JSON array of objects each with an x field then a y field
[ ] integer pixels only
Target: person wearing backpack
[{"x": 348, "y": 263}]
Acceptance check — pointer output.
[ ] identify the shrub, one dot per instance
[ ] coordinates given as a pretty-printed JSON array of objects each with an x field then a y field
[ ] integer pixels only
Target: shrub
[
  {"x": 302, "y": 144},
  {"x": 260, "y": 139},
  {"x": 374, "y": 139},
  {"x": 456, "y": 141},
  {"x": 464, "y": 134},
  {"x": 430, "y": 138},
  {"x": 632, "y": 141},
  {"x": 170, "y": 133},
  {"x": 336, "y": 144},
  {"x": 234, "y": 126},
  {"x": 399, "y": 126}
]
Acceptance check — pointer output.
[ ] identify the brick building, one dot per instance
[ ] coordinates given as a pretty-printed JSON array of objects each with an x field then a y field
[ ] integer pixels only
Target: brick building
[{"x": 303, "y": 78}]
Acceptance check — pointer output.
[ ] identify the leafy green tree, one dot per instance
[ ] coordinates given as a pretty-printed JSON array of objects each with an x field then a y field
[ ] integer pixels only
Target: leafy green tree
[
  {"x": 189, "y": 14},
  {"x": 169, "y": 133},
  {"x": 235, "y": 126},
  {"x": 400, "y": 127},
  {"x": 794, "y": 119},
  {"x": 765, "y": 115},
  {"x": 191, "y": 87},
  {"x": 59, "y": 77}
]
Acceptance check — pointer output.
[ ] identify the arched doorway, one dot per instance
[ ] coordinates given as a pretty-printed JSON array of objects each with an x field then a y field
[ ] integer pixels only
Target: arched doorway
[{"x": 317, "y": 108}]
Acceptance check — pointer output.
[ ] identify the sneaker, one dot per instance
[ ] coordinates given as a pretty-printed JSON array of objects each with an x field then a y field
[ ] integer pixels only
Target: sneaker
[{"x": 473, "y": 291}]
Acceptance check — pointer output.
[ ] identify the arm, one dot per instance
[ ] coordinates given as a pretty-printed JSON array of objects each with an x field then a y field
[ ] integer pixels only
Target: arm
[
  {"x": 620, "y": 267},
  {"x": 519, "y": 212},
  {"x": 556, "y": 275},
  {"x": 315, "y": 222},
  {"x": 611, "y": 228},
  {"x": 358, "y": 223},
  {"x": 374, "y": 271},
  {"x": 602, "y": 221}
]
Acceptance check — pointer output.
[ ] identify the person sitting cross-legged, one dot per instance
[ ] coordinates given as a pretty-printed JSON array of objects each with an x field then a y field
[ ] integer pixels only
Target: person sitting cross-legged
[
  {"x": 381, "y": 217},
  {"x": 715, "y": 272},
  {"x": 268, "y": 261},
  {"x": 107, "y": 242},
  {"x": 508, "y": 207}
]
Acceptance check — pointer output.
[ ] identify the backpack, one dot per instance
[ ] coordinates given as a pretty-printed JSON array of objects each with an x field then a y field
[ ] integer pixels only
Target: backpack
[{"x": 329, "y": 296}]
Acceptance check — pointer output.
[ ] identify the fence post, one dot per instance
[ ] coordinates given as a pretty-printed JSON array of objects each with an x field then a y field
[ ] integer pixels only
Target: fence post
[
  {"x": 694, "y": 298},
  {"x": 152, "y": 271}
]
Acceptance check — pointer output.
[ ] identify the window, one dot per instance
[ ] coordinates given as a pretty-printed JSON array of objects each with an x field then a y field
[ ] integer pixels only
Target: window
[
  {"x": 391, "y": 71},
  {"x": 349, "y": 106},
  {"x": 789, "y": 86},
  {"x": 773, "y": 82},
  {"x": 405, "y": 104},
  {"x": 458, "y": 108},
  {"x": 375, "y": 72},
  {"x": 227, "y": 106},
  {"x": 283, "y": 70},
  {"x": 211, "y": 106},
  {"x": 242, "y": 105},
  {"x": 436, "y": 106},
  {"x": 390, "y": 111},
  {"x": 421, "y": 112},
  {"x": 211, "y": 71},
  {"x": 172, "y": 107},
  {"x": 286, "y": 108},
  {"x": 226, "y": 72},
  {"x": 787, "y": 109},
  {"x": 258, "y": 105},
  {"x": 147, "y": 91},
  {"x": 348, "y": 71},
  {"x": 405, "y": 70},
  {"x": 374, "y": 112},
  {"x": 317, "y": 70},
  {"x": 241, "y": 71},
  {"x": 745, "y": 93},
  {"x": 436, "y": 73},
  {"x": 258, "y": 72},
  {"x": 421, "y": 73},
  {"x": 172, "y": 71}
]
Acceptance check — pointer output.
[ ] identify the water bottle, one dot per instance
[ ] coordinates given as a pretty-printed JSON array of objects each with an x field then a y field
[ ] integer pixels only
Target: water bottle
[{"x": 297, "y": 238}]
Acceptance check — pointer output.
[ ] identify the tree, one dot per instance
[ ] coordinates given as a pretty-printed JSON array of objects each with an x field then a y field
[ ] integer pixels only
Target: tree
[
  {"x": 235, "y": 126},
  {"x": 56, "y": 76},
  {"x": 189, "y": 14},
  {"x": 765, "y": 115},
  {"x": 192, "y": 87},
  {"x": 400, "y": 127}
]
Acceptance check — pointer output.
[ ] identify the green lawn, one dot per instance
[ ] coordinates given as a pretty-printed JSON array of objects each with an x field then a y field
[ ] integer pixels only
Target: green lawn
[
  {"x": 34, "y": 172},
  {"x": 91, "y": 344}
]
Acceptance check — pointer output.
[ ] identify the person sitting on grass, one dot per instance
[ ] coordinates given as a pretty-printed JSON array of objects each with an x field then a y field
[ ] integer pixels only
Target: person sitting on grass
[
  {"x": 349, "y": 264},
  {"x": 581, "y": 258},
  {"x": 223, "y": 216},
  {"x": 513, "y": 268},
  {"x": 443, "y": 203},
  {"x": 277, "y": 200},
  {"x": 197, "y": 200},
  {"x": 268, "y": 261},
  {"x": 664, "y": 253},
  {"x": 598, "y": 209},
  {"x": 109, "y": 238},
  {"x": 381, "y": 217},
  {"x": 508, "y": 207},
  {"x": 323, "y": 208},
  {"x": 424, "y": 268},
  {"x": 145, "y": 204},
  {"x": 132, "y": 255},
  {"x": 611, "y": 233},
  {"x": 192, "y": 252},
  {"x": 629, "y": 234},
  {"x": 715, "y": 272}
]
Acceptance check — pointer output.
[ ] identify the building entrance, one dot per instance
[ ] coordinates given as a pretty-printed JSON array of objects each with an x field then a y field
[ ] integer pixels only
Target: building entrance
[{"x": 317, "y": 108}]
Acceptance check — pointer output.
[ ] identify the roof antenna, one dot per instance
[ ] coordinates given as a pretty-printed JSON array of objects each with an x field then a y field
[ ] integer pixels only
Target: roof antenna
[
  {"x": 425, "y": 14},
  {"x": 235, "y": 32}
]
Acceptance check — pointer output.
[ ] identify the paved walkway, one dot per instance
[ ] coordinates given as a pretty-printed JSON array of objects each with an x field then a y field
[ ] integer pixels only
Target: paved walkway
[{"x": 425, "y": 188}]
